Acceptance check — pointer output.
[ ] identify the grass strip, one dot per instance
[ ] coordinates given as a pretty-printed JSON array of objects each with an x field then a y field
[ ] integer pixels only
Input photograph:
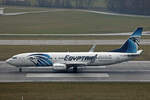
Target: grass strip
[
  {"x": 70, "y": 22},
  {"x": 6, "y": 51},
  {"x": 75, "y": 91}
]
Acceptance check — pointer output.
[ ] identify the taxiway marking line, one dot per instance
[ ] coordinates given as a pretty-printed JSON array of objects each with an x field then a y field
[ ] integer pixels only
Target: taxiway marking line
[{"x": 67, "y": 75}]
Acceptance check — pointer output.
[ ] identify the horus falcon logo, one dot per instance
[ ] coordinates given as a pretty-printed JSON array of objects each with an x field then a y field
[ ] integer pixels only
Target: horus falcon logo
[{"x": 41, "y": 59}]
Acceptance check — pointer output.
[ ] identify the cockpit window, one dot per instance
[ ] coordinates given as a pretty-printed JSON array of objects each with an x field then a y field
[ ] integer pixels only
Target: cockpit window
[{"x": 14, "y": 57}]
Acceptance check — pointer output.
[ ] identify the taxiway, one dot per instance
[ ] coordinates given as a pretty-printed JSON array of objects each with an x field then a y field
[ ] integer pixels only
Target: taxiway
[
  {"x": 67, "y": 42},
  {"x": 133, "y": 71}
]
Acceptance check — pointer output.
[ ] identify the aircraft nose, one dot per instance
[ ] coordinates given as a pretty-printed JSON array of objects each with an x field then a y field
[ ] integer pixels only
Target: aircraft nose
[{"x": 9, "y": 61}]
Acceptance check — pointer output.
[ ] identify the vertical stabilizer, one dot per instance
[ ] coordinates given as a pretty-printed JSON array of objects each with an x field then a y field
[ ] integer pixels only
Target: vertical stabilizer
[{"x": 132, "y": 44}]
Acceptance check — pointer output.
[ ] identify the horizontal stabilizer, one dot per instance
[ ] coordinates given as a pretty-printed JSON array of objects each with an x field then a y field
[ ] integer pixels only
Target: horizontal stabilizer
[{"x": 139, "y": 52}]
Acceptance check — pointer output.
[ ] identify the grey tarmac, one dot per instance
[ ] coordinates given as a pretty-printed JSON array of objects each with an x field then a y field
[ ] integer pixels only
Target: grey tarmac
[
  {"x": 145, "y": 33},
  {"x": 114, "y": 14},
  {"x": 132, "y": 71},
  {"x": 67, "y": 42}
]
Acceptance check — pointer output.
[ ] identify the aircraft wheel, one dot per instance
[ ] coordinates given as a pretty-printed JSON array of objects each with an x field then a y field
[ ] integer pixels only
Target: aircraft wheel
[
  {"x": 20, "y": 69},
  {"x": 75, "y": 69}
]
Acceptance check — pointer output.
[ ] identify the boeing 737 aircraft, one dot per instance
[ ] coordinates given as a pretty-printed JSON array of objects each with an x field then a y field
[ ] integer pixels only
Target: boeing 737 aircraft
[{"x": 67, "y": 60}]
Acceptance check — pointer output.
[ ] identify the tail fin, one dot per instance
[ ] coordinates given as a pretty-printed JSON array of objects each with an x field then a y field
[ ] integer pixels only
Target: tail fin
[{"x": 132, "y": 44}]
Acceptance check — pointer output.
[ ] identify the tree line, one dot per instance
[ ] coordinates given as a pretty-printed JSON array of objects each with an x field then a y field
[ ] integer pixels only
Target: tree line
[
  {"x": 52, "y": 3},
  {"x": 123, "y": 6},
  {"x": 130, "y": 6}
]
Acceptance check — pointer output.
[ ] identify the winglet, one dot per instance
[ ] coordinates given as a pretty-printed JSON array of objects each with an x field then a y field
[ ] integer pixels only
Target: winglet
[{"x": 92, "y": 48}]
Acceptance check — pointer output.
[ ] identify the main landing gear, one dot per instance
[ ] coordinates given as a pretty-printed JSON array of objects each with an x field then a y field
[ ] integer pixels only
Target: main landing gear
[
  {"x": 20, "y": 69},
  {"x": 75, "y": 69}
]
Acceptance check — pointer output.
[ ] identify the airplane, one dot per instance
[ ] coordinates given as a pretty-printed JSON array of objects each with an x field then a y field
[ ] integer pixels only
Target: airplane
[{"x": 66, "y": 60}]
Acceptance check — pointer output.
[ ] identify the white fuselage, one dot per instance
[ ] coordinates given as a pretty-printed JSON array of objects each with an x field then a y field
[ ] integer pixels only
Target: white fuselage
[{"x": 69, "y": 58}]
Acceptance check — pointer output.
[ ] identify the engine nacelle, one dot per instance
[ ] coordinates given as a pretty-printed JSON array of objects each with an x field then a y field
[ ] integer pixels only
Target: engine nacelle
[{"x": 58, "y": 66}]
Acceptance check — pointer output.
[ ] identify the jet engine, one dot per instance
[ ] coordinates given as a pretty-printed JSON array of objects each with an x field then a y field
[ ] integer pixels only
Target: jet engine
[{"x": 59, "y": 67}]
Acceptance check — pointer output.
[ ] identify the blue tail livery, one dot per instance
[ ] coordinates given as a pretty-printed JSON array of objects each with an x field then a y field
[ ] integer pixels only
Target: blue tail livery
[{"x": 132, "y": 44}]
